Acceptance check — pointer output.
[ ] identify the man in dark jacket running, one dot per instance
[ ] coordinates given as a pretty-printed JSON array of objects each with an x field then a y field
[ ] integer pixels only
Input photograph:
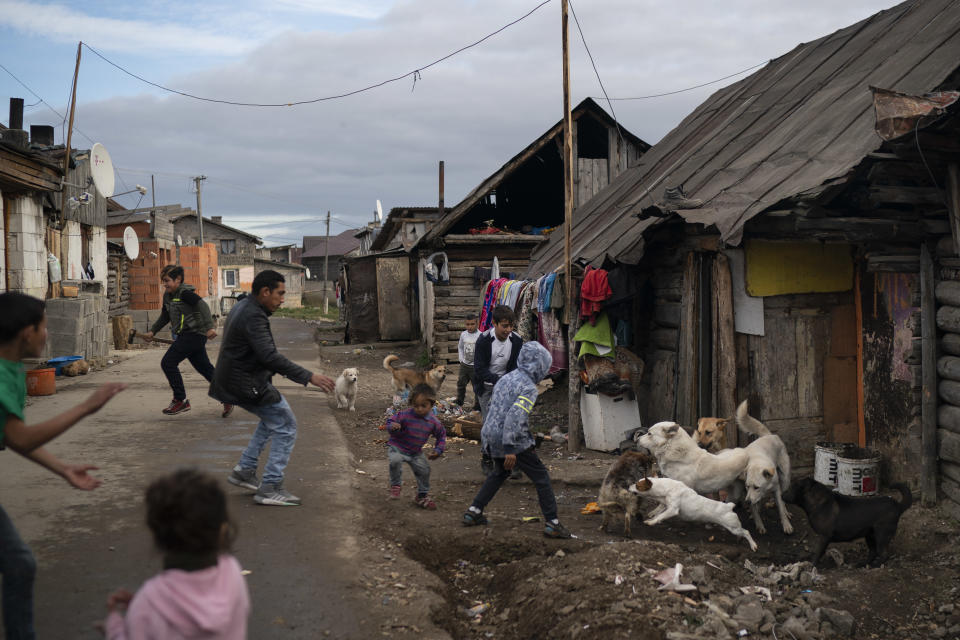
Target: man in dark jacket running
[
  {"x": 246, "y": 364},
  {"x": 192, "y": 325}
]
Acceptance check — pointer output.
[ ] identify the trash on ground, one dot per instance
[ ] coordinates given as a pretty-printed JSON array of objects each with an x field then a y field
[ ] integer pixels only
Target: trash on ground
[{"x": 591, "y": 507}]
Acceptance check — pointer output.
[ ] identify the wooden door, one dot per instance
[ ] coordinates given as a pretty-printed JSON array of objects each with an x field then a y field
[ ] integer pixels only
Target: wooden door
[{"x": 393, "y": 298}]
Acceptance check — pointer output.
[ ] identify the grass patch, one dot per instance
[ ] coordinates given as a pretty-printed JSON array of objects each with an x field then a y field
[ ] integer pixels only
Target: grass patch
[{"x": 308, "y": 313}]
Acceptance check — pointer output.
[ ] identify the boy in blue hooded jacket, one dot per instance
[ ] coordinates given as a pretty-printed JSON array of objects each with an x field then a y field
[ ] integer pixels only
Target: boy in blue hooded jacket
[{"x": 506, "y": 438}]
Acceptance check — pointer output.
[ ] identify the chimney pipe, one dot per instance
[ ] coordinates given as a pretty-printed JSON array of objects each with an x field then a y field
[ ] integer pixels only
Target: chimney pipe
[
  {"x": 16, "y": 113},
  {"x": 41, "y": 134},
  {"x": 217, "y": 219}
]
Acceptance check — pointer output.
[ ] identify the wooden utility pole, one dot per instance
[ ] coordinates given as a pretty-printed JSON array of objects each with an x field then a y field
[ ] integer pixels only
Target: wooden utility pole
[
  {"x": 326, "y": 258},
  {"x": 573, "y": 406},
  {"x": 55, "y": 288},
  {"x": 197, "y": 181},
  {"x": 441, "y": 189}
]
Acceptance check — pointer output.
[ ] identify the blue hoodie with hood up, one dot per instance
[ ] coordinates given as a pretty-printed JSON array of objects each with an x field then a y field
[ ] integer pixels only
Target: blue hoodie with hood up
[{"x": 506, "y": 430}]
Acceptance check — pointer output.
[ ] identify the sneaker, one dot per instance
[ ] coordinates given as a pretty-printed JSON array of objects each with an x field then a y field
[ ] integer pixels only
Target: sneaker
[
  {"x": 246, "y": 478},
  {"x": 177, "y": 406},
  {"x": 425, "y": 503},
  {"x": 275, "y": 495},
  {"x": 471, "y": 519},
  {"x": 227, "y": 410},
  {"x": 556, "y": 530},
  {"x": 395, "y": 491}
]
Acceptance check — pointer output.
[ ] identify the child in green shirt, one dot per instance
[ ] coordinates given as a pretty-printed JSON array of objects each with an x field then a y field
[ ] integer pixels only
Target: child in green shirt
[{"x": 23, "y": 333}]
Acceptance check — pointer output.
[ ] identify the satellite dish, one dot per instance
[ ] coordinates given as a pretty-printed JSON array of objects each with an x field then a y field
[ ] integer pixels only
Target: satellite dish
[
  {"x": 379, "y": 212},
  {"x": 101, "y": 169},
  {"x": 179, "y": 240},
  {"x": 308, "y": 274},
  {"x": 131, "y": 243}
]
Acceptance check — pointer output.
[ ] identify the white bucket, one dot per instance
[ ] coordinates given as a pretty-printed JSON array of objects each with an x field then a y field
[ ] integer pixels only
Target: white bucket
[
  {"x": 825, "y": 462},
  {"x": 858, "y": 472}
]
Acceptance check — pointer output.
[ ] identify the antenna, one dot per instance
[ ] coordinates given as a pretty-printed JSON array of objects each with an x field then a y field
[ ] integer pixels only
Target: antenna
[
  {"x": 101, "y": 170},
  {"x": 379, "y": 212},
  {"x": 131, "y": 243}
]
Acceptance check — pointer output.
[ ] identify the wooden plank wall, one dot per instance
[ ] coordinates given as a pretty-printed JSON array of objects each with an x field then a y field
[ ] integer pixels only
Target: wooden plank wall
[
  {"x": 948, "y": 374},
  {"x": 592, "y": 175},
  {"x": 118, "y": 283},
  {"x": 454, "y": 301}
]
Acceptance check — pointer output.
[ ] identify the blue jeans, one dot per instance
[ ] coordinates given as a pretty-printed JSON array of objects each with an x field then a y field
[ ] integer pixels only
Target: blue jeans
[
  {"x": 18, "y": 568},
  {"x": 278, "y": 426},
  {"x": 419, "y": 464}
]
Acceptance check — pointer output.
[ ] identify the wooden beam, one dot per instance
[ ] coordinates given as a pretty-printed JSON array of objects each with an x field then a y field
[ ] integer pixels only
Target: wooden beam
[
  {"x": 928, "y": 397},
  {"x": 906, "y": 195},
  {"x": 858, "y": 305},
  {"x": 953, "y": 204}
]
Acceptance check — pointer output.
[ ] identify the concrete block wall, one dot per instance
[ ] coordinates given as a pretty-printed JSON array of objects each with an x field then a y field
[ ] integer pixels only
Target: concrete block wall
[
  {"x": 144, "y": 318},
  {"x": 78, "y": 326},
  {"x": 26, "y": 244}
]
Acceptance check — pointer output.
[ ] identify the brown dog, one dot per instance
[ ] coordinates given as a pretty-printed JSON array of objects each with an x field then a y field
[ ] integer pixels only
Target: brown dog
[
  {"x": 711, "y": 434},
  {"x": 615, "y": 492},
  {"x": 405, "y": 377}
]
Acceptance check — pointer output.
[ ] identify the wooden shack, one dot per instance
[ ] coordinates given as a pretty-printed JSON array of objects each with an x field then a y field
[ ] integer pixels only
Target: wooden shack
[
  {"x": 523, "y": 198},
  {"x": 804, "y": 279}
]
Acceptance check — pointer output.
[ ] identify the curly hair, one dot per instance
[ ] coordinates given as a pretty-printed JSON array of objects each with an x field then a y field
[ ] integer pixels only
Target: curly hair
[
  {"x": 423, "y": 391},
  {"x": 186, "y": 511}
]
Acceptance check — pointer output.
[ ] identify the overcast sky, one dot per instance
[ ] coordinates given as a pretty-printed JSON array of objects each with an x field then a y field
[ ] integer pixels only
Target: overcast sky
[{"x": 277, "y": 171}]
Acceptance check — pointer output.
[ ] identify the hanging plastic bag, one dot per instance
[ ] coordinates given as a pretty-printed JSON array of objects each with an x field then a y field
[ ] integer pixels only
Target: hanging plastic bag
[{"x": 53, "y": 268}]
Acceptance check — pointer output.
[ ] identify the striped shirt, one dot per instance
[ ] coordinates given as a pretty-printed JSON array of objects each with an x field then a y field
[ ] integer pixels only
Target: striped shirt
[{"x": 415, "y": 431}]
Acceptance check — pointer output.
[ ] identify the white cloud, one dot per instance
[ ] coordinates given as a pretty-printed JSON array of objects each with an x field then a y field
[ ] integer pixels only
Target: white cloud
[
  {"x": 474, "y": 111},
  {"x": 65, "y": 24}
]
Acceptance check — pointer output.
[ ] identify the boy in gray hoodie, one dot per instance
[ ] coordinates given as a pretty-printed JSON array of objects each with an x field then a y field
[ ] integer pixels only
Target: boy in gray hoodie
[{"x": 506, "y": 438}]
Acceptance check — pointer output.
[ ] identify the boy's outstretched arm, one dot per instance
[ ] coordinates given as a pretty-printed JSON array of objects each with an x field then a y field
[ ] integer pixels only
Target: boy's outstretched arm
[
  {"x": 75, "y": 474},
  {"x": 24, "y": 439}
]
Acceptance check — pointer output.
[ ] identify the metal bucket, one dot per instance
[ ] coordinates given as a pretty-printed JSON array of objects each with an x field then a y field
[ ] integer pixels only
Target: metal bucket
[
  {"x": 858, "y": 472},
  {"x": 825, "y": 461}
]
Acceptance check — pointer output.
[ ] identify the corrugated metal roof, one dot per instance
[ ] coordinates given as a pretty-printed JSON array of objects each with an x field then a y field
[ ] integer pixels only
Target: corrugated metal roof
[{"x": 803, "y": 120}]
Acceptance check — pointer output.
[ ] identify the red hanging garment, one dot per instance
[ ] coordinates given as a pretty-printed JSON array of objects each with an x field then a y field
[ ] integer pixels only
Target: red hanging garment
[{"x": 594, "y": 290}]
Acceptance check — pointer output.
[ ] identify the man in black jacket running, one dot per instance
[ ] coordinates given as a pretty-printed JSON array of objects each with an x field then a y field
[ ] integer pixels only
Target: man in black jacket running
[{"x": 246, "y": 364}]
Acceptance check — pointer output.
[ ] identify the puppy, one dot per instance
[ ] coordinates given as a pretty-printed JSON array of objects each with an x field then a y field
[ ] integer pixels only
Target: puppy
[
  {"x": 768, "y": 469},
  {"x": 76, "y": 368},
  {"x": 711, "y": 434},
  {"x": 615, "y": 494},
  {"x": 677, "y": 499},
  {"x": 346, "y": 388},
  {"x": 838, "y": 518},
  {"x": 679, "y": 457},
  {"x": 405, "y": 377}
]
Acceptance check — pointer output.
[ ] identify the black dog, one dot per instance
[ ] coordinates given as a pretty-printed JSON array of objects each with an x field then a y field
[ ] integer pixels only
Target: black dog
[{"x": 840, "y": 518}]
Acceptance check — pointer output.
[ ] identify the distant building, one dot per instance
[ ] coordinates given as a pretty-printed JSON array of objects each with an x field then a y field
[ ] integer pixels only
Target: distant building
[
  {"x": 315, "y": 249},
  {"x": 294, "y": 279}
]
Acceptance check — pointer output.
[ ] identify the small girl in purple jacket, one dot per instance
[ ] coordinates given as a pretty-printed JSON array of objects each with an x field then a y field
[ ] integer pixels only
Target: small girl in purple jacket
[{"x": 409, "y": 431}]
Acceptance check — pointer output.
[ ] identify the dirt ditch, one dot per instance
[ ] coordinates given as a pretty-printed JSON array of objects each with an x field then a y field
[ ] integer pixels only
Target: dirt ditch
[{"x": 505, "y": 580}]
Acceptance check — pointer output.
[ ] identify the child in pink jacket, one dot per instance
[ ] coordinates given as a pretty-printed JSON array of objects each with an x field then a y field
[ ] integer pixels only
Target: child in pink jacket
[{"x": 201, "y": 592}]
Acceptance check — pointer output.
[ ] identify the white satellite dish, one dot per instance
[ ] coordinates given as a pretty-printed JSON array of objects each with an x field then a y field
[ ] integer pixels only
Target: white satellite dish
[
  {"x": 308, "y": 274},
  {"x": 179, "y": 240},
  {"x": 101, "y": 169},
  {"x": 131, "y": 243},
  {"x": 379, "y": 212}
]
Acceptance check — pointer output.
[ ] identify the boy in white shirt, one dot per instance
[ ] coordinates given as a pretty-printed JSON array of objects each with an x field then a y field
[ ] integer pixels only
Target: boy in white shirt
[{"x": 466, "y": 347}]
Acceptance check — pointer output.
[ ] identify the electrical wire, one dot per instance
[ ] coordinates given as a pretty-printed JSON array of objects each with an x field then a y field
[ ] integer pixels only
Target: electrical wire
[
  {"x": 415, "y": 73},
  {"x": 62, "y": 117},
  {"x": 670, "y": 93},
  {"x": 597, "y": 73}
]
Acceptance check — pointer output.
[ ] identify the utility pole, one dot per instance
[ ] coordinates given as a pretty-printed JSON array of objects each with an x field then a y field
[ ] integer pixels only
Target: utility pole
[
  {"x": 153, "y": 211},
  {"x": 197, "y": 181},
  {"x": 55, "y": 289},
  {"x": 573, "y": 406},
  {"x": 326, "y": 275}
]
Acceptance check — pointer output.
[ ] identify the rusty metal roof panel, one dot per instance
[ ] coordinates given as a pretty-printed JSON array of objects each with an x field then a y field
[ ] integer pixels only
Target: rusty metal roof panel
[{"x": 804, "y": 119}]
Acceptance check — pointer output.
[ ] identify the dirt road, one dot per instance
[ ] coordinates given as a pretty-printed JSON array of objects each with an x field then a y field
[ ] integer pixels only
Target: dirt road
[{"x": 303, "y": 561}]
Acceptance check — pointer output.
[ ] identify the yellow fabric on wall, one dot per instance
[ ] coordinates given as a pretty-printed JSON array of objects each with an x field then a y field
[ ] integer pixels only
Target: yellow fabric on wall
[{"x": 778, "y": 268}]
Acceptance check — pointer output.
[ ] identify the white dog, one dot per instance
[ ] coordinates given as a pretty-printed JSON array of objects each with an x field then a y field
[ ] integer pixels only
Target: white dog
[
  {"x": 346, "y": 388},
  {"x": 763, "y": 464},
  {"x": 768, "y": 470},
  {"x": 677, "y": 499}
]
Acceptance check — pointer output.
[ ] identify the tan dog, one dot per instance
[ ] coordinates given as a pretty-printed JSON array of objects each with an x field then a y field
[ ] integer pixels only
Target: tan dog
[
  {"x": 405, "y": 377},
  {"x": 711, "y": 434},
  {"x": 76, "y": 368}
]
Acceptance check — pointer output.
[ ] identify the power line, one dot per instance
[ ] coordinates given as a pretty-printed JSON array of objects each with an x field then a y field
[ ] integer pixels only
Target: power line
[
  {"x": 597, "y": 73},
  {"x": 415, "y": 73},
  {"x": 670, "y": 93},
  {"x": 62, "y": 117}
]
